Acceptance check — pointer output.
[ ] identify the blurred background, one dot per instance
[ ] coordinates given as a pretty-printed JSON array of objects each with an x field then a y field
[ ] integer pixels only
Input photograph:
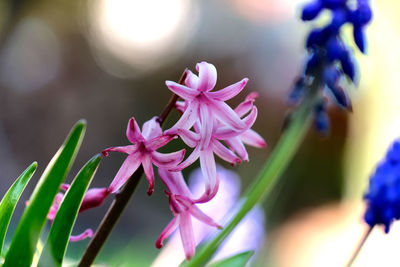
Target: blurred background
[{"x": 107, "y": 60}]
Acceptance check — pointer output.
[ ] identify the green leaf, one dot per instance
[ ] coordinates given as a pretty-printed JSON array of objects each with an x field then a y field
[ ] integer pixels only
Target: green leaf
[
  {"x": 23, "y": 244},
  {"x": 10, "y": 200},
  {"x": 57, "y": 241},
  {"x": 238, "y": 260}
]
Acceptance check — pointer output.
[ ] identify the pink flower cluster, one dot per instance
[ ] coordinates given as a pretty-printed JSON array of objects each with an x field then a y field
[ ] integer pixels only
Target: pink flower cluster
[{"x": 210, "y": 127}]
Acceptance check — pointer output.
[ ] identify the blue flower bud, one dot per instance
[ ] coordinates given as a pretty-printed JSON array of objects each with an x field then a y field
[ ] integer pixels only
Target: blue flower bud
[
  {"x": 298, "y": 92},
  {"x": 311, "y": 10},
  {"x": 359, "y": 38},
  {"x": 347, "y": 65}
]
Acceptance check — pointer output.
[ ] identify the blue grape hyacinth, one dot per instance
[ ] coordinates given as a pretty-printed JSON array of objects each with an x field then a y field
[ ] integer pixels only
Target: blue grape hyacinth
[
  {"x": 383, "y": 195},
  {"x": 329, "y": 56}
]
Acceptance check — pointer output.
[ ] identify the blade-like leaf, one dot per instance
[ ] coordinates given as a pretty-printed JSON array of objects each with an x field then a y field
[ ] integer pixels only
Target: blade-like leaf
[
  {"x": 57, "y": 241},
  {"x": 26, "y": 235},
  {"x": 238, "y": 260},
  {"x": 10, "y": 200}
]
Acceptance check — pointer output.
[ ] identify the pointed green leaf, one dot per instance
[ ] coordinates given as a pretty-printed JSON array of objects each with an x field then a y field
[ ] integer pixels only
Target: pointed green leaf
[
  {"x": 57, "y": 241},
  {"x": 10, "y": 200},
  {"x": 23, "y": 244},
  {"x": 238, "y": 260}
]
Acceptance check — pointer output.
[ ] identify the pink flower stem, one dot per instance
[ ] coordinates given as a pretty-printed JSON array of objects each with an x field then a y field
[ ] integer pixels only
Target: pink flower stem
[
  {"x": 359, "y": 247},
  {"x": 121, "y": 199}
]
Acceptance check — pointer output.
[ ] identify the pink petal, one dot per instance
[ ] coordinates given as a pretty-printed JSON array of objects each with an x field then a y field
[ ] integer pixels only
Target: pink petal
[
  {"x": 187, "y": 235},
  {"x": 224, "y": 153},
  {"x": 123, "y": 149},
  {"x": 206, "y": 127},
  {"x": 167, "y": 231},
  {"x": 167, "y": 160},
  {"x": 252, "y": 96},
  {"x": 207, "y": 196},
  {"x": 227, "y": 115},
  {"x": 189, "y": 138},
  {"x": 236, "y": 145},
  {"x": 182, "y": 90},
  {"x": 84, "y": 235},
  {"x": 174, "y": 182},
  {"x": 130, "y": 165},
  {"x": 148, "y": 171},
  {"x": 187, "y": 119},
  {"x": 209, "y": 169},
  {"x": 181, "y": 106},
  {"x": 151, "y": 129},
  {"x": 156, "y": 143},
  {"x": 192, "y": 80},
  {"x": 225, "y": 132},
  {"x": 207, "y": 76},
  {"x": 65, "y": 187},
  {"x": 188, "y": 161},
  {"x": 133, "y": 131},
  {"x": 252, "y": 138},
  {"x": 228, "y": 92},
  {"x": 201, "y": 216},
  {"x": 243, "y": 108},
  {"x": 94, "y": 197}
]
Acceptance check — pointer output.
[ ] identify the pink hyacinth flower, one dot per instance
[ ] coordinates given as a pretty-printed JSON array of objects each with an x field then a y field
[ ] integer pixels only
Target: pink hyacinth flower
[
  {"x": 183, "y": 209},
  {"x": 203, "y": 105},
  {"x": 236, "y": 141},
  {"x": 94, "y": 197},
  {"x": 143, "y": 152}
]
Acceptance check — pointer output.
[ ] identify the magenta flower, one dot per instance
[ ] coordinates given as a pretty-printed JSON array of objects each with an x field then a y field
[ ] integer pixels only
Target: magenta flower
[
  {"x": 143, "y": 152},
  {"x": 203, "y": 105},
  {"x": 183, "y": 208}
]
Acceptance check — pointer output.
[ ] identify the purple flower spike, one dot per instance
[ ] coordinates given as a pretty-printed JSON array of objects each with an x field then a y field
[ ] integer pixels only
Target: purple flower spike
[
  {"x": 143, "y": 152},
  {"x": 183, "y": 208}
]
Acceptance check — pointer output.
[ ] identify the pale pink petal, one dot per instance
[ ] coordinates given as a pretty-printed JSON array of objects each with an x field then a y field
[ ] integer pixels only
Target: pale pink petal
[
  {"x": 252, "y": 138},
  {"x": 201, "y": 216},
  {"x": 189, "y": 138},
  {"x": 224, "y": 153},
  {"x": 151, "y": 129},
  {"x": 167, "y": 231},
  {"x": 130, "y": 165},
  {"x": 188, "y": 118},
  {"x": 252, "y": 96},
  {"x": 123, "y": 149},
  {"x": 207, "y": 76},
  {"x": 182, "y": 90},
  {"x": 206, "y": 127},
  {"x": 209, "y": 169},
  {"x": 174, "y": 182},
  {"x": 225, "y": 132},
  {"x": 167, "y": 160},
  {"x": 207, "y": 196},
  {"x": 187, "y": 235},
  {"x": 181, "y": 106},
  {"x": 158, "y": 142},
  {"x": 236, "y": 145},
  {"x": 192, "y": 80},
  {"x": 228, "y": 92},
  {"x": 54, "y": 207},
  {"x": 188, "y": 161},
  {"x": 84, "y": 235},
  {"x": 148, "y": 171},
  {"x": 243, "y": 108},
  {"x": 94, "y": 197},
  {"x": 227, "y": 115},
  {"x": 133, "y": 131}
]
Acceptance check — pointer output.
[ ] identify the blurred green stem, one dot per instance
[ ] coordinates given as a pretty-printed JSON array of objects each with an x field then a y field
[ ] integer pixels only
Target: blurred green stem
[
  {"x": 278, "y": 161},
  {"x": 121, "y": 199}
]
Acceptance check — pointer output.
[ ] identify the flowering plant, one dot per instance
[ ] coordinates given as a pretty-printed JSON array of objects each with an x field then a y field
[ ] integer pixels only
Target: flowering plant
[{"x": 208, "y": 128}]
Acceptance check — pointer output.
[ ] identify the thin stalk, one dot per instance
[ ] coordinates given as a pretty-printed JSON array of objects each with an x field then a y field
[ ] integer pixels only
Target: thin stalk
[
  {"x": 278, "y": 161},
  {"x": 359, "y": 247},
  {"x": 121, "y": 199}
]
